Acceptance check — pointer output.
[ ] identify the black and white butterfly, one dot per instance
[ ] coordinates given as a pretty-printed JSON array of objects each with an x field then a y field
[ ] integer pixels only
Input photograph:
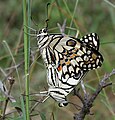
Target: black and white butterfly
[{"x": 67, "y": 60}]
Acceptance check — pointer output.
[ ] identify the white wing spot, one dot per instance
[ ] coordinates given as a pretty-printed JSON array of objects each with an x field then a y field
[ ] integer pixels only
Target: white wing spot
[
  {"x": 86, "y": 40},
  {"x": 97, "y": 61},
  {"x": 79, "y": 59},
  {"x": 84, "y": 49},
  {"x": 81, "y": 64},
  {"x": 77, "y": 46},
  {"x": 74, "y": 62},
  {"x": 72, "y": 81},
  {"x": 77, "y": 69},
  {"x": 80, "y": 53},
  {"x": 64, "y": 68},
  {"x": 71, "y": 69},
  {"x": 94, "y": 41},
  {"x": 89, "y": 65},
  {"x": 94, "y": 65},
  {"x": 88, "y": 52},
  {"x": 90, "y": 38},
  {"x": 93, "y": 34},
  {"x": 84, "y": 65}
]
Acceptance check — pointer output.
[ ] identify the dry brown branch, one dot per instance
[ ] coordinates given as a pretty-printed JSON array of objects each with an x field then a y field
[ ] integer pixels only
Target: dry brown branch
[{"x": 88, "y": 100}]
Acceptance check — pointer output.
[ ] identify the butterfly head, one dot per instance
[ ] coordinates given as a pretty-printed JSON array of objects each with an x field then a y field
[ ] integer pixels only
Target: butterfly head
[{"x": 43, "y": 32}]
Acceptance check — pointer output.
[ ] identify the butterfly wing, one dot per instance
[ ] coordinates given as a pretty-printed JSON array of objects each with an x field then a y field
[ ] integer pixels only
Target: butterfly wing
[
  {"x": 73, "y": 57},
  {"x": 91, "y": 40},
  {"x": 71, "y": 50}
]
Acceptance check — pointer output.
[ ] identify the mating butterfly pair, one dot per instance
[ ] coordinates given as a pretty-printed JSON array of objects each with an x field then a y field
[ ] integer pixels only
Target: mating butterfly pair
[{"x": 67, "y": 60}]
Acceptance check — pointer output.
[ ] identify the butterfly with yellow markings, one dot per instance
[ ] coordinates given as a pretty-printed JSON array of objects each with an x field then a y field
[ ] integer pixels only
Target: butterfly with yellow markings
[{"x": 67, "y": 60}]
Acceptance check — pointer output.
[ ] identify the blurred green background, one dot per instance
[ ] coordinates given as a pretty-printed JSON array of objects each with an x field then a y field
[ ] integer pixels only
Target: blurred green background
[{"x": 84, "y": 15}]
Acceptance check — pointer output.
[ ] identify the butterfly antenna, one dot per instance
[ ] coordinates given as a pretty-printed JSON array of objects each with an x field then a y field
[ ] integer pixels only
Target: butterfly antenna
[{"x": 47, "y": 16}]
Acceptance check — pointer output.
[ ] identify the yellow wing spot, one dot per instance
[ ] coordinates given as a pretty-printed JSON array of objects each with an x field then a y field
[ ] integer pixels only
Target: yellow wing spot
[
  {"x": 94, "y": 56},
  {"x": 68, "y": 62},
  {"x": 92, "y": 61},
  {"x": 87, "y": 62},
  {"x": 73, "y": 55}
]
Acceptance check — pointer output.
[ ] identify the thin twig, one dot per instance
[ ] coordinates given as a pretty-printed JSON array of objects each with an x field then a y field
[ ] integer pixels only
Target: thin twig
[
  {"x": 13, "y": 69},
  {"x": 11, "y": 81},
  {"x": 87, "y": 100}
]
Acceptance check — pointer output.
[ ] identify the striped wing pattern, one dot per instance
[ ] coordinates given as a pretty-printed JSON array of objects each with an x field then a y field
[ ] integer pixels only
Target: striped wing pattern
[{"x": 67, "y": 60}]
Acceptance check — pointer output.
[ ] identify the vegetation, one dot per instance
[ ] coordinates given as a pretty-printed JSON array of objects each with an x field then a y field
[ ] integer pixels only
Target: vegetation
[{"x": 81, "y": 15}]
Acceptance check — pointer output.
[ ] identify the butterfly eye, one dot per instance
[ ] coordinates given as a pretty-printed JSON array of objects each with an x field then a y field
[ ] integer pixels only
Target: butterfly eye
[{"x": 71, "y": 43}]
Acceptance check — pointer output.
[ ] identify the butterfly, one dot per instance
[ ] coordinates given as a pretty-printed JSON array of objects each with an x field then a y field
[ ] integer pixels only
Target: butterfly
[{"x": 67, "y": 60}]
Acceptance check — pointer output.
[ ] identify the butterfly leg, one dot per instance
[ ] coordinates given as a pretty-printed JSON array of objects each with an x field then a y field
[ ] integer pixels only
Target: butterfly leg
[
  {"x": 45, "y": 99},
  {"x": 43, "y": 93}
]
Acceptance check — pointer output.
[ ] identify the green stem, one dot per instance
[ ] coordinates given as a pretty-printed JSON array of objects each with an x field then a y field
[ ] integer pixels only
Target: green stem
[{"x": 26, "y": 55}]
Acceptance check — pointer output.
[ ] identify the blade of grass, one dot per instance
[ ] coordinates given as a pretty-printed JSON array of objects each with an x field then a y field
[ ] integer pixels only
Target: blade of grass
[
  {"x": 111, "y": 42},
  {"x": 6, "y": 45},
  {"x": 23, "y": 107},
  {"x": 26, "y": 52},
  {"x": 106, "y": 97},
  {"x": 109, "y": 3},
  {"x": 42, "y": 115},
  {"x": 110, "y": 109},
  {"x": 71, "y": 14}
]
